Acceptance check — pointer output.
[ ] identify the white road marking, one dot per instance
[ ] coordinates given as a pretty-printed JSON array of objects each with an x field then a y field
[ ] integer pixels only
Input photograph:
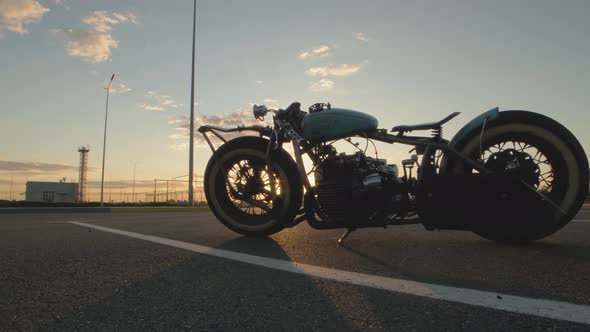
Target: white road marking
[
  {"x": 518, "y": 304},
  {"x": 60, "y": 221},
  {"x": 583, "y": 220}
]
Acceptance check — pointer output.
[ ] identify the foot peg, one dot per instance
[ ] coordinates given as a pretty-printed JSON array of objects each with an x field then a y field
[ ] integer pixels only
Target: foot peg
[{"x": 345, "y": 235}]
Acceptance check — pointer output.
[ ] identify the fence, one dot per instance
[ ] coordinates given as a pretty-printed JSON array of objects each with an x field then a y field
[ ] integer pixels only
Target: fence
[
  {"x": 159, "y": 195},
  {"x": 157, "y": 191}
]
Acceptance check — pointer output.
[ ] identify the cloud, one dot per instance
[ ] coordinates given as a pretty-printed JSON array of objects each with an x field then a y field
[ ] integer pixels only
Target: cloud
[
  {"x": 333, "y": 70},
  {"x": 132, "y": 18},
  {"x": 271, "y": 101},
  {"x": 322, "y": 85},
  {"x": 178, "y": 119},
  {"x": 181, "y": 126},
  {"x": 120, "y": 17},
  {"x": 162, "y": 102},
  {"x": 361, "y": 37},
  {"x": 15, "y": 15},
  {"x": 120, "y": 88},
  {"x": 101, "y": 21},
  {"x": 31, "y": 168},
  {"x": 63, "y": 3},
  {"x": 320, "y": 52},
  {"x": 96, "y": 44},
  {"x": 149, "y": 107},
  {"x": 91, "y": 46},
  {"x": 257, "y": 81},
  {"x": 243, "y": 116}
]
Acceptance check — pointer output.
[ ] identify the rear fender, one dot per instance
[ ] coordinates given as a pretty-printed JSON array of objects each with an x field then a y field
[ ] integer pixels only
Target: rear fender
[{"x": 473, "y": 127}]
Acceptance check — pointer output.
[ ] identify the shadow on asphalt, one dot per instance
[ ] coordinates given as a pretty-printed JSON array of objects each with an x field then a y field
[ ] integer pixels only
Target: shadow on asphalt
[{"x": 205, "y": 292}]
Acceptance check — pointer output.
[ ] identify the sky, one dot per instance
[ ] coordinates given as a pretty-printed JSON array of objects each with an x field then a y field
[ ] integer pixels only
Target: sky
[{"x": 402, "y": 61}]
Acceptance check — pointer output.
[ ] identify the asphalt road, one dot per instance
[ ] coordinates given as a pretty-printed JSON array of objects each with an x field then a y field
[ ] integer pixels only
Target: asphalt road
[{"x": 55, "y": 275}]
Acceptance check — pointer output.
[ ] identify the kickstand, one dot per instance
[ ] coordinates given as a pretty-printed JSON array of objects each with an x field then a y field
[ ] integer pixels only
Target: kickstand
[{"x": 344, "y": 236}]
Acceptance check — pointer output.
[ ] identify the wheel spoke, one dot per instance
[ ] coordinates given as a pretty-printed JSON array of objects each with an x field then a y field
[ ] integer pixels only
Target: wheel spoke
[{"x": 251, "y": 187}]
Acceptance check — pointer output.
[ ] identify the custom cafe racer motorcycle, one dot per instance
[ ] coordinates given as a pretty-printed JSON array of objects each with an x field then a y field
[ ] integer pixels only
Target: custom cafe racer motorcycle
[{"x": 508, "y": 176}]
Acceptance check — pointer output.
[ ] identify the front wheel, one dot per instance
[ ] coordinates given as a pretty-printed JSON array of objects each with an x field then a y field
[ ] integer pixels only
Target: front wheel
[
  {"x": 246, "y": 194},
  {"x": 544, "y": 155}
]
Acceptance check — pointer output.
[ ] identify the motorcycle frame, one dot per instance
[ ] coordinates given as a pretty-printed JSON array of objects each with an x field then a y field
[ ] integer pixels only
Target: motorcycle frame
[
  {"x": 427, "y": 145},
  {"x": 284, "y": 131}
]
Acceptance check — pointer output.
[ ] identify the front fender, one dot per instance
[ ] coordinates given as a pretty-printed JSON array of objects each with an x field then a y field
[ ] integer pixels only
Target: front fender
[{"x": 473, "y": 127}]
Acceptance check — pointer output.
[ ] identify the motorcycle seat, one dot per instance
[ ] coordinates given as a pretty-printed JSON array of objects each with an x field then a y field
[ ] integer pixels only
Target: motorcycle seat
[{"x": 425, "y": 126}]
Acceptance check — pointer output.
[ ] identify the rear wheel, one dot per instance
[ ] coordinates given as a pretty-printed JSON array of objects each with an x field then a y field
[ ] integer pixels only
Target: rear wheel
[
  {"x": 544, "y": 155},
  {"x": 247, "y": 195}
]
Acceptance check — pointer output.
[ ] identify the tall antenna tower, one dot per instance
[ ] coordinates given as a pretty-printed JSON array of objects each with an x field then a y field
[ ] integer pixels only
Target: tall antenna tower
[{"x": 83, "y": 171}]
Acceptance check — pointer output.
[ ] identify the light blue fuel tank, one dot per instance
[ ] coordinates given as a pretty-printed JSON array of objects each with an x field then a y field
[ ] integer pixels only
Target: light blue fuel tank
[{"x": 336, "y": 123}]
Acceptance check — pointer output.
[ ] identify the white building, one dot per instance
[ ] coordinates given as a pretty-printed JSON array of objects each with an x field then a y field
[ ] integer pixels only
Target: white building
[{"x": 59, "y": 192}]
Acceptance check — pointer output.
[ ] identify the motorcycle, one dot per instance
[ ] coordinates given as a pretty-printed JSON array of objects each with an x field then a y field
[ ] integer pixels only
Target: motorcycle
[{"x": 508, "y": 176}]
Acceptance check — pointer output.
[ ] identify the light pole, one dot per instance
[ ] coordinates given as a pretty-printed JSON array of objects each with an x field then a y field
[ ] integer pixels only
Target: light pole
[
  {"x": 104, "y": 142},
  {"x": 192, "y": 118},
  {"x": 133, "y": 191}
]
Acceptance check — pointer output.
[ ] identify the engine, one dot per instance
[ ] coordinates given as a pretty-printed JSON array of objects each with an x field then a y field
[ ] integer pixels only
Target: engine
[{"x": 357, "y": 190}]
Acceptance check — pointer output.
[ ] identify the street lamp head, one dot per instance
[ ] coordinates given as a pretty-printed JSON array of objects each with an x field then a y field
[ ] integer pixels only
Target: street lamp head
[{"x": 110, "y": 82}]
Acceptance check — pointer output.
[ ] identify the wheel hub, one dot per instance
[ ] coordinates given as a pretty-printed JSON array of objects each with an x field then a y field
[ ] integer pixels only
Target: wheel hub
[
  {"x": 513, "y": 162},
  {"x": 254, "y": 185}
]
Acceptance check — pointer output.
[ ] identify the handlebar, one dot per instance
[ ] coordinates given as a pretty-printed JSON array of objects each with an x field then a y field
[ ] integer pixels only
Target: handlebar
[
  {"x": 260, "y": 111},
  {"x": 293, "y": 110}
]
